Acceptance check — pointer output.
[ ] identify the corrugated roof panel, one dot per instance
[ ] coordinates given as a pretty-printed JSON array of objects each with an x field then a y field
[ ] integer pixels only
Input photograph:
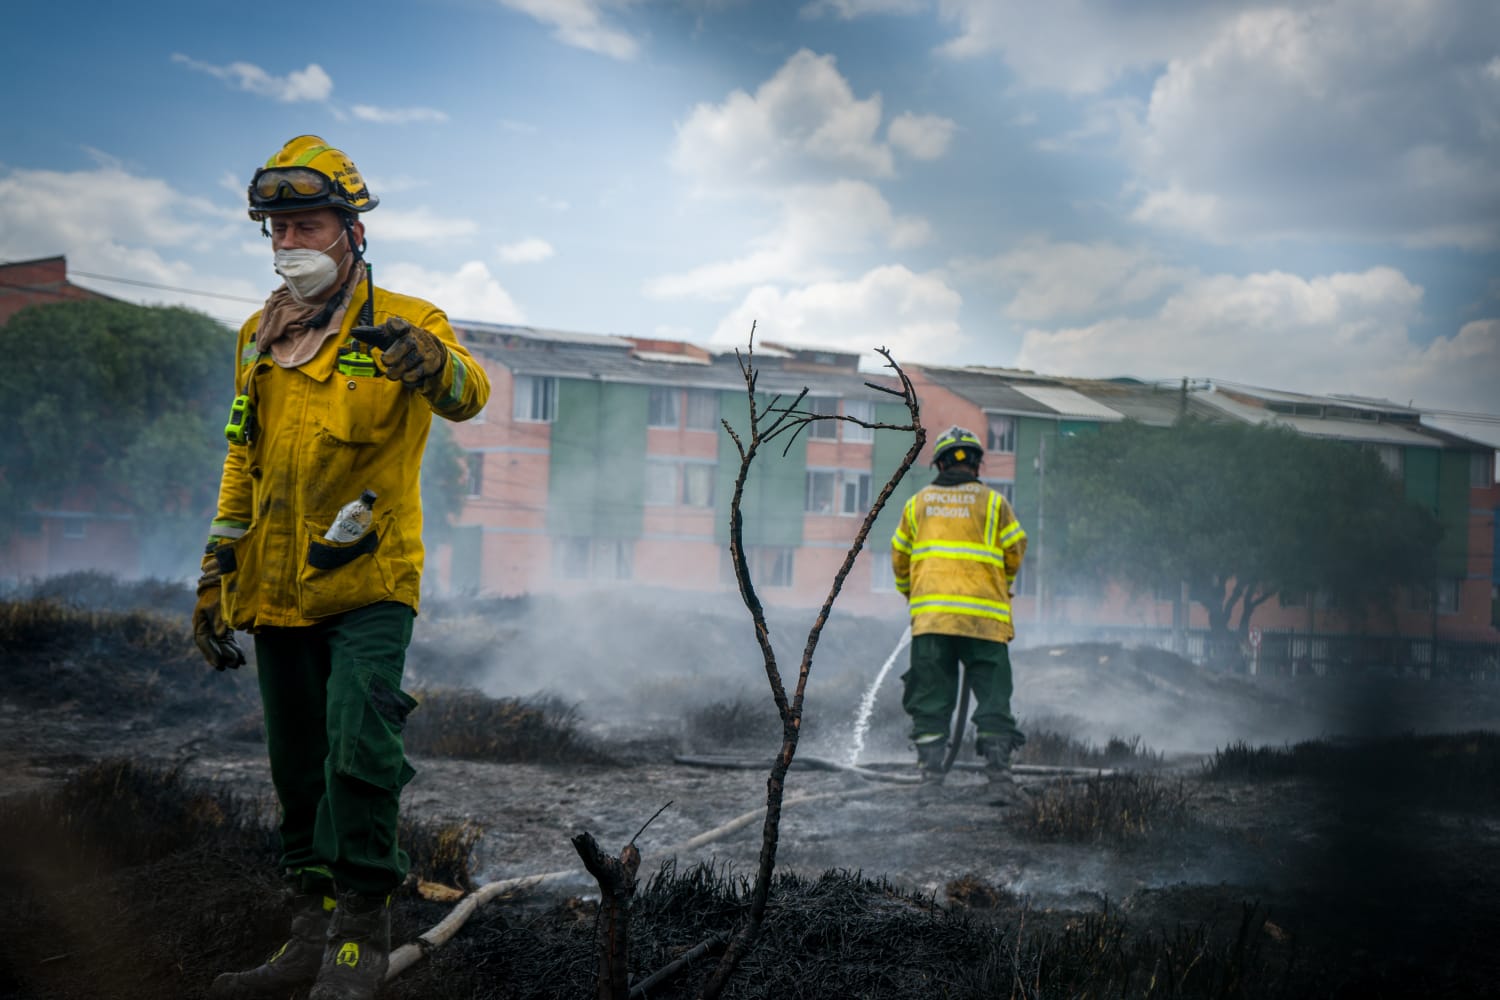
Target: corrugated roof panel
[{"x": 1068, "y": 402}]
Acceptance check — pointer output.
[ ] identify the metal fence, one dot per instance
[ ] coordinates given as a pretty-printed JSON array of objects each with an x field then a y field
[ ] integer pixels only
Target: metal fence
[{"x": 1294, "y": 654}]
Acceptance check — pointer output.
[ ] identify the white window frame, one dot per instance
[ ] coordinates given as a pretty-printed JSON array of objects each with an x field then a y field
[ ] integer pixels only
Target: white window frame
[
  {"x": 1448, "y": 596},
  {"x": 700, "y": 411},
  {"x": 614, "y": 559},
  {"x": 822, "y": 430},
  {"x": 821, "y": 484},
  {"x": 704, "y": 473},
  {"x": 663, "y": 483},
  {"x": 664, "y": 408},
  {"x": 859, "y": 409},
  {"x": 859, "y": 483},
  {"x": 535, "y": 399},
  {"x": 1003, "y": 442}
]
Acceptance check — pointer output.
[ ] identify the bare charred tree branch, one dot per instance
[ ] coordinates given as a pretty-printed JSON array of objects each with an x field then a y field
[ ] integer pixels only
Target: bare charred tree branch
[
  {"x": 616, "y": 878},
  {"x": 784, "y": 419}
]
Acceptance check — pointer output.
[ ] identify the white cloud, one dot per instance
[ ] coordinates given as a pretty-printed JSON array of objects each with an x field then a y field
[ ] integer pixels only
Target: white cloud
[
  {"x": 819, "y": 224},
  {"x": 1335, "y": 121},
  {"x": 925, "y": 137},
  {"x": 526, "y": 251},
  {"x": 848, "y": 10},
  {"x": 310, "y": 84},
  {"x": 581, "y": 24},
  {"x": 397, "y": 116},
  {"x": 1079, "y": 46},
  {"x": 418, "y": 225},
  {"x": 804, "y": 123},
  {"x": 471, "y": 292},
  {"x": 1057, "y": 280},
  {"x": 1344, "y": 332},
  {"x": 915, "y": 315}
]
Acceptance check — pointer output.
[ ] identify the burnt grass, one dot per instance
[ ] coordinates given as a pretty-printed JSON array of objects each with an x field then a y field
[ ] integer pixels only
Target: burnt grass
[{"x": 129, "y": 880}]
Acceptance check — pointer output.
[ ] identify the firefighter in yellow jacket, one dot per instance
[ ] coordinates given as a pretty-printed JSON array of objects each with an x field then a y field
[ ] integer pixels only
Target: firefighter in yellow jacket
[
  {"x": 955, "y": 556},
  {"x": 321, "y": 417}
]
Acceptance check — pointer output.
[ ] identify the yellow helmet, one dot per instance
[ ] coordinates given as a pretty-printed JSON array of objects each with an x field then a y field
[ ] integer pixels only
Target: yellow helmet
[
  {"x": 308, "y": 173},
  {"x": 957, "y": 444}
]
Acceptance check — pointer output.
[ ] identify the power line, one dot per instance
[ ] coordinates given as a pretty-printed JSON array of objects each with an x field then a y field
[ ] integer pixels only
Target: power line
[{"x": 168, "y": 288}]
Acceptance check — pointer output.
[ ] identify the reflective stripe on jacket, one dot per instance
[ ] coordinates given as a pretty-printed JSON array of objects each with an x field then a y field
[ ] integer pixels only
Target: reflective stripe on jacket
[
  {"x": 324, "y": 432},
  {"x": 955, "y": 555}
]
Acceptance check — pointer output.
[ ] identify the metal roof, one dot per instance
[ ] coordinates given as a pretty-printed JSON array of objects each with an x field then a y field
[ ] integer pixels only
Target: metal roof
[
  {"x": 526, "y": 351},
  {"x": 1068, "y": 402},
  {"x": 1369, "y": 431}
]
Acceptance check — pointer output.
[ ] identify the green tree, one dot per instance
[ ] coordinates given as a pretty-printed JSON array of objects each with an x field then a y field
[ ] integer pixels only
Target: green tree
[
  {"x": 1239, "y": 513},
  {"x": 444, "y": 483},
  {"x": 123, "y": 403}
]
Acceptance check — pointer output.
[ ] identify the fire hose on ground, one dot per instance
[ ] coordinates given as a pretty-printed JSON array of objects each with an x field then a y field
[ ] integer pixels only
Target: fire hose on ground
[{"x": 439, "y": 934}]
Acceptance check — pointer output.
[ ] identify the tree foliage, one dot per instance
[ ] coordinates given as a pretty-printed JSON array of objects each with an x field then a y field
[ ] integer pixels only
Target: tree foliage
[
  {"x": 1240, "y": 513},
  {"x": 124, "y": 404}
]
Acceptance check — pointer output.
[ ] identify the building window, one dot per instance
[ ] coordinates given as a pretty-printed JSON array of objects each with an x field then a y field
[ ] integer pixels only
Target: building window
[
  {"x": 536, "y": 399},
  {"x": 1004, "y": 487},
  {"x": 1000, "y": 434},
  {"x": 698, "y": 484},
  {"x": 661, "y": 483},
  {"x": 770, "y": 566},
  {"x": 821, "y": 486},
  {"x": 1447, "y": 597},
  {"x": 882, "y": 573},
  {"x": 570, "y": 558},
  {"x": 774, "y": 566},
  {"x": 854, "y": 492},
  {"x": 474, "y": 466},
  {"x": 1292, "y": 600},
  {"x": 1391, "y": 457},
  {"x": 822, "y": 430},
  {"x": 837, "y": 491},
  {"x": 688, "y": 484},
  {"x": 702, "y": 410},
  {"x": 859, "y": 409},
  {"x": 1481, "y": 469},
  {"x": 74, "y": 527},
  {"x": 1419, "y": 598},
  {"x": 663, "y": 406},
  {"x": 613, "y": 560}
]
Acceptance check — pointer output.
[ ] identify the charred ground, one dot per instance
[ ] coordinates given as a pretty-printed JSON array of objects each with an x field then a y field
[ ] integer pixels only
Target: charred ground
[{"x": 1327, "y": 837}]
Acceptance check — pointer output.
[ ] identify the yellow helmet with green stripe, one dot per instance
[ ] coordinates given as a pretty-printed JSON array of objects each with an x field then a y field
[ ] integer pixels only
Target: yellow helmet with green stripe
[
  {"x": 957, "y": 444},
  {"x": 308, "y": 173}
]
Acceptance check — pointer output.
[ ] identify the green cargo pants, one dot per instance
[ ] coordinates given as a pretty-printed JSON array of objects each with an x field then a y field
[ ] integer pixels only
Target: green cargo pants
[
  {"x": 931, "y": 685},
  {"x": 334, "y": 713}
]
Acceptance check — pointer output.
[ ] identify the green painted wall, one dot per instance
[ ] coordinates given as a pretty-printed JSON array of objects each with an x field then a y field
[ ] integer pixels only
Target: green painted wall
[
  {"x": 1420, "y": 473},
  {"x": 886, "y": 453},
  {"x": 1029, "y": 434},
  {"x": 1453, "y": 512},
  {"x": 597, "y": 475},
  {"x": 772, "y": 504},
  {"x": 1439, "y": 481}
]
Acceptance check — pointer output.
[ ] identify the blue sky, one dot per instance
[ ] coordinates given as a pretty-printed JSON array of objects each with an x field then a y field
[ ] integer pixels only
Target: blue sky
[{"x": 1298, "y": 195}]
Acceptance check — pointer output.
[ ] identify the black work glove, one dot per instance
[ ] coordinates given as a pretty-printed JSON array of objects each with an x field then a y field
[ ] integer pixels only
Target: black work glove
[
  {"x": 414, "y": 357},
  {"x": 214, "y": 637}
]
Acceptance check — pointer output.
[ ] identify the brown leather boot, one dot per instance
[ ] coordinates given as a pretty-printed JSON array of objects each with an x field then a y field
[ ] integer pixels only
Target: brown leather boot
[{"x": 293, "y": 965}]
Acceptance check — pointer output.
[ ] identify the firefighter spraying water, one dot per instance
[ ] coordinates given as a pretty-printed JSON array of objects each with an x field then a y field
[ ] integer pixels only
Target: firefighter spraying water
[{"x": 955, "y": 556}]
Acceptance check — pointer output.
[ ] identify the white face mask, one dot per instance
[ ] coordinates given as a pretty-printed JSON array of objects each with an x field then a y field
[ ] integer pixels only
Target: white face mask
[{"x": 308, "y": 273}]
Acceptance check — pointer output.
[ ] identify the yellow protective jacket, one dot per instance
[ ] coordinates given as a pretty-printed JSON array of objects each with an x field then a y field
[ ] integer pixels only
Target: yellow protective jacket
[
  {"x": 322, "y": 433},
  {"x": 955, "y": 556}
]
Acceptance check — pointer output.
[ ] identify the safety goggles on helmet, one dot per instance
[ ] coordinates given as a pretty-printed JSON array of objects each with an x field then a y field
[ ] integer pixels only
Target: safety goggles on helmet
[{"x": 279, "y": 183}]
